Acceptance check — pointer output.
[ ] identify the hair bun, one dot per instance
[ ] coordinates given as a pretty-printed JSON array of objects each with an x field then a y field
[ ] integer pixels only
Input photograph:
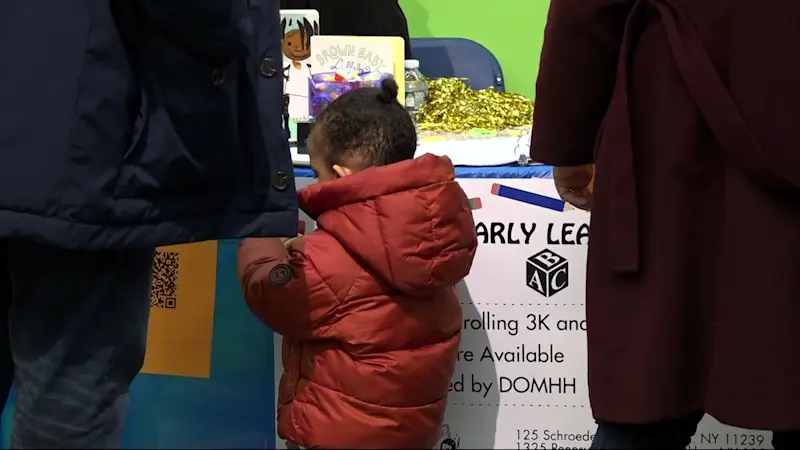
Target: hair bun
[{"x": 388, "y": 92}]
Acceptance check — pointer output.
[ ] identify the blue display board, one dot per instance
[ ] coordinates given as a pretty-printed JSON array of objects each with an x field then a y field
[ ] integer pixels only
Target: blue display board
[{"x": 234, "y": 407}]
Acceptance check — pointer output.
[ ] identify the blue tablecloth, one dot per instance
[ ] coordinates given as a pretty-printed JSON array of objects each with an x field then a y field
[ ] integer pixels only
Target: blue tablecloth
[{"x": 476, "y": 172}]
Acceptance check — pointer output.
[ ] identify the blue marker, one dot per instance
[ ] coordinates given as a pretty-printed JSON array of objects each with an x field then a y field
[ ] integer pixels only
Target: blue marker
[{"x": 528, "y": 197}]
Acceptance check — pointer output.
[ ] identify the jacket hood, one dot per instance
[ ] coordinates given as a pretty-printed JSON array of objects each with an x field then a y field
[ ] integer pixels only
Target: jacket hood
[{"x": 409, "y": 223}]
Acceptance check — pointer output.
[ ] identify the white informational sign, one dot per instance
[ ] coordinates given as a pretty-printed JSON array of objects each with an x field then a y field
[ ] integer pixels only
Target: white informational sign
[{"x": 521, "y": 378}]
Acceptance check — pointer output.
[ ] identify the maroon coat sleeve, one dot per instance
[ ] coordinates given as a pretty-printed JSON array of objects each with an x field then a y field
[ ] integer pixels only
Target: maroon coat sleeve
[
  {"x": 283, "y": 288},
  {"x": 576, "y": 78}
]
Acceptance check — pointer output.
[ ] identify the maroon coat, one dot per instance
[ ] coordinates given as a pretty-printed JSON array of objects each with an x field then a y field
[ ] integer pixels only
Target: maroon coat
[{"x": 691, "y": 112}]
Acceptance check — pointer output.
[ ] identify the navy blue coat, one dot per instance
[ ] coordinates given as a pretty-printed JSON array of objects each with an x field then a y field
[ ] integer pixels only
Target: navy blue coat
[{"x": 139, "y": 123}]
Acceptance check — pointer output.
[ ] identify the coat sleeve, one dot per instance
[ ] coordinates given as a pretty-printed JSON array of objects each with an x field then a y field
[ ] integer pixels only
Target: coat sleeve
[
  {"x": 576, "y": 78},
  {"x": 284, "y": 290},
  {"x": 212, "y": 30}
]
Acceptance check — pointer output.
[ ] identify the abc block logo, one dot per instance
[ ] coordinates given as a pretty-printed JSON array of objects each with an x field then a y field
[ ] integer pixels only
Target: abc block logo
[{"x": 548, "y": 273}]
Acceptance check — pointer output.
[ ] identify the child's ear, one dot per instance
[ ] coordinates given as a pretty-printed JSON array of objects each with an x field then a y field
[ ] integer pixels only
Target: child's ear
[{"x": 342, "y": 171}]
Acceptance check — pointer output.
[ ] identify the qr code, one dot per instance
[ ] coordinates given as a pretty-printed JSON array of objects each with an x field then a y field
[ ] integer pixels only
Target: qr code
[{"x": 164, "y": 293}]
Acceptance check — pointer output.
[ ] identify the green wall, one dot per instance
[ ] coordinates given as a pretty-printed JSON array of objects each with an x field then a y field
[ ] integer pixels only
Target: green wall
[{"x": 511, "y": 29}]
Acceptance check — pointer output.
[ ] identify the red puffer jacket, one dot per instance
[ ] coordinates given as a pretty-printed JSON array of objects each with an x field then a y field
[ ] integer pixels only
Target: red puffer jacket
[{"x": 367, "y": 306}]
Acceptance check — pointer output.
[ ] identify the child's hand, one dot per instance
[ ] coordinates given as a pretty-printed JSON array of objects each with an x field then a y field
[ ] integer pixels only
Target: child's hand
[{"x": 287, "y": 242}]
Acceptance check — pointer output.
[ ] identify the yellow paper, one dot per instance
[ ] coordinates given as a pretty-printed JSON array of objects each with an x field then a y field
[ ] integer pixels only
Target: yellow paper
[{"x": 182, "y": 310}]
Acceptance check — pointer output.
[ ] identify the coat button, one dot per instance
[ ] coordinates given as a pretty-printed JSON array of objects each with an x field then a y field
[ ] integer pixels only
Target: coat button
[
  {"x": 218, "y": 77},
  {"x": 280, "y": 181},
  {"x": 268, "y": 68}
]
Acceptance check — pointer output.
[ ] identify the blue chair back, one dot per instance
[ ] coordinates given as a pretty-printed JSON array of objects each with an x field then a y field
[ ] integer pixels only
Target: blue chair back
[{"x": 458, "y": 57}]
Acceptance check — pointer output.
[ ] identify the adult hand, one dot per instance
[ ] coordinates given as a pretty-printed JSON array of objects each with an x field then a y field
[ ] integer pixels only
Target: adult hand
[{"x": 572, "y": 183}]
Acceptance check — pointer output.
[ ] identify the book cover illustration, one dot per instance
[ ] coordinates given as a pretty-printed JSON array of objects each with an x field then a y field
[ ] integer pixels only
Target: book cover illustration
[
  {"x": 297, "y": 28},
  {"x": 342, "y": 63}
]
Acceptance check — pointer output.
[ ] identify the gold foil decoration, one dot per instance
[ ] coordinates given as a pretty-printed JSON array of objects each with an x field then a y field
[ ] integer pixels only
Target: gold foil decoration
[{"x": 455, "y": 107}]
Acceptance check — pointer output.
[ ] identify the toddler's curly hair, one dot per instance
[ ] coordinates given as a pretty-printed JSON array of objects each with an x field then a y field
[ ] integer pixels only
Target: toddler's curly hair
[{"x": 367, "y": 127}]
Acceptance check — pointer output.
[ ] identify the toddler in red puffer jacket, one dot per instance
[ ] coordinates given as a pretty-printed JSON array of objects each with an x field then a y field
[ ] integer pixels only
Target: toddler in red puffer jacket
[{"x": 366, "y": 304}]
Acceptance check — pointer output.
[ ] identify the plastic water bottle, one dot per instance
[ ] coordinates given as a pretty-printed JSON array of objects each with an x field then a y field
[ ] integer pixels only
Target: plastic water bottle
[{"x": 416, "y": 87}]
